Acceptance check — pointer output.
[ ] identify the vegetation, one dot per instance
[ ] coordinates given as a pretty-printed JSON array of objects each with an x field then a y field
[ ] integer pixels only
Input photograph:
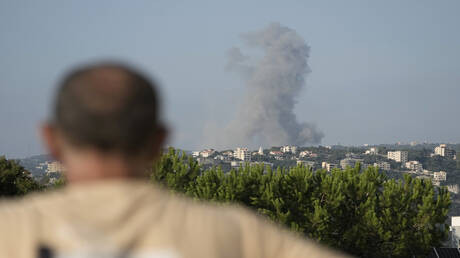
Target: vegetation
[
  {"x": 359, "y": 211},
  {"x": 362, "y": 212},
  {"x": 14, "y": 179}
]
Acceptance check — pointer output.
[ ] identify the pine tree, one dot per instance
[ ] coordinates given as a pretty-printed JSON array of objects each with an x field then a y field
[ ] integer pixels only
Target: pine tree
[
  {"x": 14, "y": 179},
  {"x": 359, "y": 211}
]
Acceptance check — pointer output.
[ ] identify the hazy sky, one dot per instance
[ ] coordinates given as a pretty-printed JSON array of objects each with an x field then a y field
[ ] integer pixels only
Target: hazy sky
[{"x": 382, "y": 71}]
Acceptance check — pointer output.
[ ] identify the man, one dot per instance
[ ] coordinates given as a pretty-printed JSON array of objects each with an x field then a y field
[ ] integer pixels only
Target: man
[{"x": 105, "y": 129}]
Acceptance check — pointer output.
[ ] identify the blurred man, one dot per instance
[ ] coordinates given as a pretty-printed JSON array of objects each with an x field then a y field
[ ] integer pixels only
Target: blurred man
[{"x": 105, "y": 129}]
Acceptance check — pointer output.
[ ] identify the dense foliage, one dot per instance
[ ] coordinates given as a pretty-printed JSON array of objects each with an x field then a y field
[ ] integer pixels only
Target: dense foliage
[
  {"x": 359, "y": 211},
  {"x": 14, "y": 179}
]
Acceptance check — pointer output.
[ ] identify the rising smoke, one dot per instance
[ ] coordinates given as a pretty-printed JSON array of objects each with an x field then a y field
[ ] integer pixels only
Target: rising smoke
[{"x": 273, "y": 82}]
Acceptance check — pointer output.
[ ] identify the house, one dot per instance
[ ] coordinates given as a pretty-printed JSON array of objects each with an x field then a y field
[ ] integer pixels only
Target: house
[{"x": 329, "y": 166}]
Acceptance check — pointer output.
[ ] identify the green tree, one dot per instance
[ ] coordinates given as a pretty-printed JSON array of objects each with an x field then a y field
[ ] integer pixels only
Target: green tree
[
  {"x": 175, "y": 170},
  {"x": 438, "y": 163},
  {"x": 14, "y": 179},
  {"x": 359, "y": 211},
  {"x": 458, "y": 163}
]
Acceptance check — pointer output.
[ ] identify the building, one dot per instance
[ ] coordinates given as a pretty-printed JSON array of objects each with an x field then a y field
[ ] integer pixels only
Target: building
[
  {"x": 222, "y": 157},
  {"x": 349, "y": 162},
  {"x": 306, "y": 153},
  {"x": 455, "y": 231},
  {"x": 306, "y": 163},
  {"x": 444, "y": 151},
  {"x": 54, "y": 167},
  {"x": 383, "y": 165},
  {"x": 207, "y": 153},
  {"x": 236, "y": 164},
  {"x": 439, "y": 176},
  {"x": 398, "y": 156},
  {"x": 414, "y": 165},
  {"x": 228, "y": 153},
  {"x": 329, "y": 166},
  {"x": 54, "y": 170},
  {"x": 261, "y": 151},
  {"x": 276, "y": 153},
  {"x": 242, "y": 154},
  {"x": 289, "y": 149},
  {"x": 372, "y": 151},
  {"x": 453, "y": 188},
  {"x": 195, "y": 154}
]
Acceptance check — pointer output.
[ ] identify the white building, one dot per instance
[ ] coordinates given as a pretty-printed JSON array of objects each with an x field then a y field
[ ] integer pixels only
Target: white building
[
  {"x": 242, "y": 154},
  {"x": 195, "y": 154},
  {"x": 235, "y": 164},
  {"x": 414, "y": 165},
  {"x": 306, "y": 153},
  {"x": 228, "y": 153},
  {"x": 398, "y": 156},
  {"x": 329, "y": 166},
  {"x": 349, "y": 162},
  {"x": 383, "y": 165},
  {"x": 444, "y": 151},
  {"x": 261, "y": 151},
  {"x": 276, "y": 153},
  {"x": 55, "y": 167},
  {"x": 207, "y": 153},
  {"x": 289, "y": 149},
  {"x": 453, "y": 188},
  {"x": 439, "y": 176},
  {"x": 455, "y": 231},
  {"x": 372, "y": 151}
]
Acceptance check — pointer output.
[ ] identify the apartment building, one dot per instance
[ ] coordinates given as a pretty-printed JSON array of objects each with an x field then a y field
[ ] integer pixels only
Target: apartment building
[
  {"x": 398, "y": 156},
  {"x": 444, "y": 151},
  {"x": 414, "y": 165},
  {"x": 383, "y": 165},
  {"x": 242, "y": 154}
]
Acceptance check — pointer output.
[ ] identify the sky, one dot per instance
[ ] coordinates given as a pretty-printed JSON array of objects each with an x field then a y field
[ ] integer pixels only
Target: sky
[{"x": 381, "y": 71}]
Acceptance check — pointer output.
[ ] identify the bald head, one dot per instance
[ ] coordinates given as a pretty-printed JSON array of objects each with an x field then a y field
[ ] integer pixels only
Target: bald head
[{"x": 110, "y": 107}]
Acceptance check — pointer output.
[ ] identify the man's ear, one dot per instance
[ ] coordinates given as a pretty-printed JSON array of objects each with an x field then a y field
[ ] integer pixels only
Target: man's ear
[{"x": 51, "y": 140}]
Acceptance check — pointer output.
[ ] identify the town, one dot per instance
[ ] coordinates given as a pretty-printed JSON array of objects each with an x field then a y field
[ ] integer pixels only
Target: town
[
  {"x": 413, "y": 159},
  {"x": 437, "y": 163}
]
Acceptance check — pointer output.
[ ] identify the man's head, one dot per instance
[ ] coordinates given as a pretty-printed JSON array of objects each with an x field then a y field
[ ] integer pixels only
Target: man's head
[{"x": 107, "y": 109}]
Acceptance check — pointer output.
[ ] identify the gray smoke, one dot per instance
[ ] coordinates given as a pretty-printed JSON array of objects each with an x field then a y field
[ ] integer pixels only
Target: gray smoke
[{"x": 266, "y": 114}]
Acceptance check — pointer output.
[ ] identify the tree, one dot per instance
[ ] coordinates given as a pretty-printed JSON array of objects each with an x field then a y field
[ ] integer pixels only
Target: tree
[
  {"x": 458, "y": 163},
  {"x": 438, "y": 163},
  {"x": 14, "y": 179},
  {"x": 175, "y": 170},
  {"x": 359, "y": 211}
]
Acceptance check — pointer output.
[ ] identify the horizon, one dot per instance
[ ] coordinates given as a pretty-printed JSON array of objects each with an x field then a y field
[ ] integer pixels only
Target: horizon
[{"x": 271, "y": 147}]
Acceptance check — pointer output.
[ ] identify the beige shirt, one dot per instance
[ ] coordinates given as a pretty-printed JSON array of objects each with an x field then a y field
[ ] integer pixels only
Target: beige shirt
[{"x": 134, "y": 219}]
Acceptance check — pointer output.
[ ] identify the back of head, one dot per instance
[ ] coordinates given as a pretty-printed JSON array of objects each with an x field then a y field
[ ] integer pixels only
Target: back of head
[{"x": 107, "y": 106}]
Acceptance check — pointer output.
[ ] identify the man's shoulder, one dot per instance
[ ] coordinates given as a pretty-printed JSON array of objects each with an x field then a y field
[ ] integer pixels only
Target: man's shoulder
[{"x": 20, "y": 207}]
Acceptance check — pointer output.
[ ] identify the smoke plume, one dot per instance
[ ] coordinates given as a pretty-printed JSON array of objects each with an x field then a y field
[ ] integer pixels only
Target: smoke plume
[{"x": 273, "y": 82}]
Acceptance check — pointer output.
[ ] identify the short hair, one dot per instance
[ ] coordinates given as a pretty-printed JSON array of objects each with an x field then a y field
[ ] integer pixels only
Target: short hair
[{"x": 109, "y": 106}]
